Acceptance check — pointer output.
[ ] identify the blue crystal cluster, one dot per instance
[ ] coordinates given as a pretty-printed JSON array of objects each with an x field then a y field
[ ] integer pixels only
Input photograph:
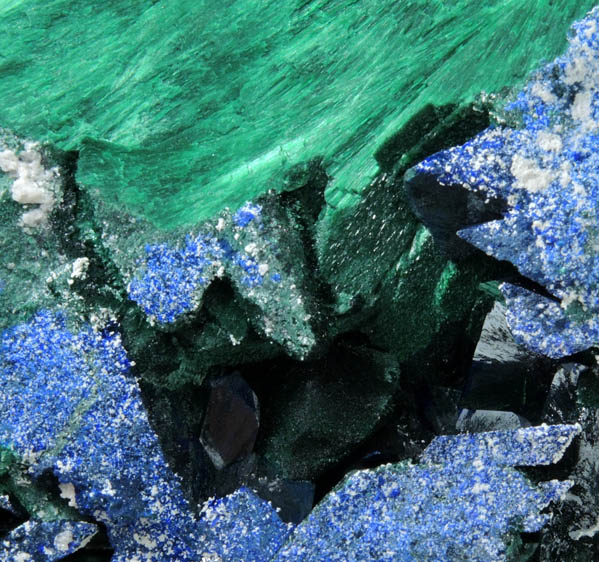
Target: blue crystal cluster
[
  {"x": 173, "y": 282},
  {"x": 531, "y": 446},
  {"x": 246, "y": 214},
  {"x": 45, "y": 541},
  {"x": 250, "y": 247},
  {"x": 241, "y": 526},
  {"x": 170, "y": 285},
  {"x": 542, "y": 160},
  {"x": 69, "y": 405},
  {"x": 463, "y": 502}
]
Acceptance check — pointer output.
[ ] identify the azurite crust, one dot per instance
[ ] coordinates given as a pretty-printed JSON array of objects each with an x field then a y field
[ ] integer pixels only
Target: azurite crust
[
  {"x": 45, "y": 541},
  {"x": 542, "y": 161},
  {"x": 69, "y": 405},
  {"x": 463, "y": 502},
  {"x": 258, "y": 249}
]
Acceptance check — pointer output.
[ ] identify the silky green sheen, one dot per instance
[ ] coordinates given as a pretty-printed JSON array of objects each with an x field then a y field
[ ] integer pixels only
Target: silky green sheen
[{"x": 181, "y": 107}]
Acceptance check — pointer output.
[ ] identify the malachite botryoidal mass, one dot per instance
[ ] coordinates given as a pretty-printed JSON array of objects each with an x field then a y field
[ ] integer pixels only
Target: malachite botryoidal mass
[{"x": 202, "y": 213}]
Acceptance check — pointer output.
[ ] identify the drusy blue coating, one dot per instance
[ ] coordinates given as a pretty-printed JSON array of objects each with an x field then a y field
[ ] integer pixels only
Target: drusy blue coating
[
  {"x": 530, "y": 446},
  {"x": 250, "y": 248},
  {"x": 168, "y": 288},
  {"x": 174, "y": 278},
  {"x": 545, "y": 166},
  {"x": 241, "y": 526},
  {"x": 69, "y": 405},
  {"x": 45, "y": 541},
  {"x": 464, "y": 502},
  {"x": 74, "y": 432},
  {"x": 246, "y": 214},
  {"x": 545, "y": 326}
]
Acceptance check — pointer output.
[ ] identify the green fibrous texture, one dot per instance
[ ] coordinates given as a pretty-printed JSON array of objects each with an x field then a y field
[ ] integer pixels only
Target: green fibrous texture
[{"x": 181, "y": 108}]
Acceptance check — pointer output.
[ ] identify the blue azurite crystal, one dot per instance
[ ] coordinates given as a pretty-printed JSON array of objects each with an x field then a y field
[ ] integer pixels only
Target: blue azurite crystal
[
  {"x": 173, "y": 279},
  {"x": 45, "y": 541},
  {"x": 257, "y": 248},
  {"x": 172, "y": 282},
  {"x": 463, "y": 502},
  {"x": 68, "y": 404},
  {"x": 530, "y": 446},
  {"x": 242, "y": 526},
  {"x": 542, "y": 161},
  {"x": 246, "y": 214},
  {"x": 6, "y": 504}
]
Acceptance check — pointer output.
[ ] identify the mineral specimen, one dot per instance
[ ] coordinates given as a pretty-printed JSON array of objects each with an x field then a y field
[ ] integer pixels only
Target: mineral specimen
[
  {"x": 462, "y": 503},
  {"x": 100, "y": 447},
  {"x": 231, "y": 421},
  {"x": 192, "y": 114},
  {"x": 69, "y": 406},
  {"x": 45, "y": 541},
  {"x": 242, "y": 527},
  {"x": 251, "y": 247},
  {"x": 219, "y": 303}
]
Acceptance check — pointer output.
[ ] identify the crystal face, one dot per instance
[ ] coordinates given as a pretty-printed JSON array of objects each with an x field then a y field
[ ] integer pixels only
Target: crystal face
[
  {"x": 306, "y": 281},
  {"x": 544, "y": 169}
]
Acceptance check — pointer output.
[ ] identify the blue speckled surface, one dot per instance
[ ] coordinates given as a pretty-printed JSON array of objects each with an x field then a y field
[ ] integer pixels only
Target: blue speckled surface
[
  {"x": 45, "y": 541},
  {"x": 542, "y": 158},
  {"x": 248, "y": 247},
  {"x": 464, "y": 502},
  {"x": 241, "y": 526},
  {"x": 69, "y": 404},
  {"x": 530, "y": 446}
]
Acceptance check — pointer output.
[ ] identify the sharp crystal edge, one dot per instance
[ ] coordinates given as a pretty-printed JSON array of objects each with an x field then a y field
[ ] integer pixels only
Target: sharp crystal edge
[
  {"x": 251, "y": 247},
  {"x": 71, "y": 409},
  {"x": 68, "y": 404},
  {"x": 464, "y": 501},
  {"x": 541, "y": 159}
]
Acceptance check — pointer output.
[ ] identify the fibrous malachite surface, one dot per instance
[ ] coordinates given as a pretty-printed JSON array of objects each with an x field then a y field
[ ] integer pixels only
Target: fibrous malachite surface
[
  {"x": 181, "y": 108},
  {"x": 244, "y": 311}
]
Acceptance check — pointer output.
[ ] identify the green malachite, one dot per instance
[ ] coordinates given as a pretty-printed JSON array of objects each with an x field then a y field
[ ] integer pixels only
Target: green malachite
[
  {"x": 181, "y": 108},
  {"x": 229, "y": 261}
]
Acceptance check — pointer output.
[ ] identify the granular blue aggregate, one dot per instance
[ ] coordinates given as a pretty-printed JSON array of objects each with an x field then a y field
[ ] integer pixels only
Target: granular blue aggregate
[
  {"x": 68, "y": 404},
  {"x": 545, "y": 166},
  {"x": 463, "y": 502}
]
